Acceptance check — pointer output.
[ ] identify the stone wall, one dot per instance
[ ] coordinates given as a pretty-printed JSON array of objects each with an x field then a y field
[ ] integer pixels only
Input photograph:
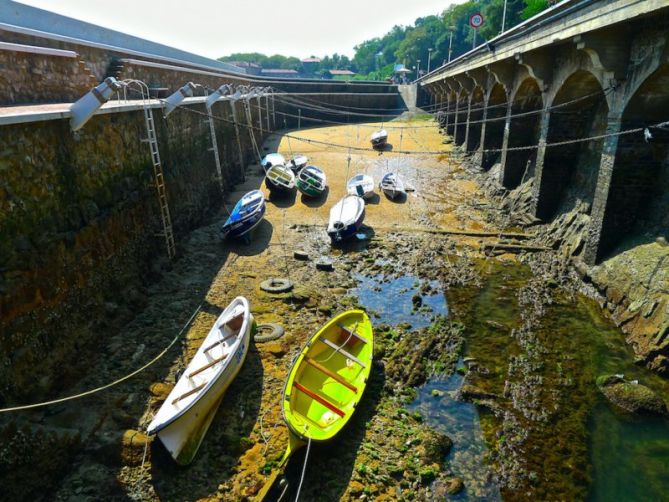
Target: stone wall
[
  {"x": 78, "y": 223},
  {"x": 32, "y": 77}
]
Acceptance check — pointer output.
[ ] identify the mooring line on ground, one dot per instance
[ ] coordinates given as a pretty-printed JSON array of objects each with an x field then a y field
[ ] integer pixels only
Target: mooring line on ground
[{"x": 109, "y": 385}]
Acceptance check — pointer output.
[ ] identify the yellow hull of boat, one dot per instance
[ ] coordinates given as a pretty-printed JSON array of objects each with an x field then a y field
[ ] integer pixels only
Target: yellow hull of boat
[{"x": 329, "y": 377}]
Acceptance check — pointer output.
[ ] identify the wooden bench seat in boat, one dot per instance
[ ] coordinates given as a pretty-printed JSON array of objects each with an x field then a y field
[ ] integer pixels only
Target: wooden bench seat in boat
[
  {"x": 344, "y": 353},
  {"x": 189, "y": 393},
  {"x": 350, "y": 332},
  {"x": 331, "y": 374},
  {"x": 319, "y": 399},
  {"x": 208, "y": 365}
]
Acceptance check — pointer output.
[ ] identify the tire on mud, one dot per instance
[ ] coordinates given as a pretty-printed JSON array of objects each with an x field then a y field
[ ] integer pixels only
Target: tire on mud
[
  {"x": 268, "y": 332},
  {"x": 278, "y": 285}
]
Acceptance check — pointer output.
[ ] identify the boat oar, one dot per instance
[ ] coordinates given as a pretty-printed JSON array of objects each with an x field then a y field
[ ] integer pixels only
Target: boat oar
[{"x": 294, "y": 444}]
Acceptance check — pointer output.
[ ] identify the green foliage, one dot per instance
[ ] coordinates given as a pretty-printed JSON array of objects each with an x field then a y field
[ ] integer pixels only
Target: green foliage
[
  {"x": 533, "y": 7},
  {"x": 428, "y": 38}
]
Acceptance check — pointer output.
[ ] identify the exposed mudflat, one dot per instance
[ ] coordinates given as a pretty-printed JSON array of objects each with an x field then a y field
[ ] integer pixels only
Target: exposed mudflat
[{"x": 484, "y": 380}]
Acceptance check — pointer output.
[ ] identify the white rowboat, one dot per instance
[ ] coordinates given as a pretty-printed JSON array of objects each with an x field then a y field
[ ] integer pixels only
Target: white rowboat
[
  {"x": 379, "y": 139},
  {"x": 272, "y": 159},
  {"x": 346, "y": 216},
  {"x": 361, "y": 185},
  {"x": 184, "y": 418},
  {"x": 392, "y": 185},
  {"x": 280, "y": 177}
]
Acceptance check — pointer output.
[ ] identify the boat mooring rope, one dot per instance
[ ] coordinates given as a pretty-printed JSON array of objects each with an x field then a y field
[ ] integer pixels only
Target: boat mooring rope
[
  {"x": 304, "y": 469},
  {"x": 112, "y": 384}
]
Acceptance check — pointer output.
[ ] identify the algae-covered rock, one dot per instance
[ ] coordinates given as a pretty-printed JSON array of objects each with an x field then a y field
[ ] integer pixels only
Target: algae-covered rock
[
  {"x": 631, "y": 396},
  {"x": 454, "y": 486},
  {"x": 434, "y": 448},
  {"x": 469, "y": 392},
  {"x": 134, "y": 444}
]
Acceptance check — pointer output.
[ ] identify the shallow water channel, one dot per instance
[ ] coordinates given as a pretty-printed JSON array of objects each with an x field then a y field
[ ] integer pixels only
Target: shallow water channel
[{"x": 574, "y": 445}]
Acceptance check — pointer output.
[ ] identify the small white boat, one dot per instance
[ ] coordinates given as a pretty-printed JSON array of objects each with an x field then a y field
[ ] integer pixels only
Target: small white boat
[
  {"x": 298, "y": 162},
  {"x": 379, "y": 139},
  {"x": 361, "y": 185},
  {"x": 272, "y": 159},
  {"x": 184, "y": 418},
  {"x": 311, "y": 181},
  {"x": 392, "y": 185},
  {"x": 346, "y": 216},
  {"x": 280, "y": 177}
]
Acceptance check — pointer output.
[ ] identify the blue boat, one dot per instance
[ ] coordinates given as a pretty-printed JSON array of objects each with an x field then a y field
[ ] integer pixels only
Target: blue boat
[{"x": 245, "y": 216}]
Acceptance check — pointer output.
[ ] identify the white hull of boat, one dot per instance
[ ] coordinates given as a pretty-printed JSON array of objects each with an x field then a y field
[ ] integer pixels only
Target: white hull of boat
[
  {"x": 361, "y": 185},
  {"x": 280, "y": 177},
  {"x": 392, "y": 185},
  {"x": 183, "y": 420},
  {"x": 272, "y": 159},
  {"x": 379, "y": 138},
  {"x": 346, "y": 216}
]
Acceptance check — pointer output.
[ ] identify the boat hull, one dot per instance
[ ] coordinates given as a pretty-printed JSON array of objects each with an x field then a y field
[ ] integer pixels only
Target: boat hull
[
  {"x": 184, "y": 418},
  {"x": 280, "y": 179},
  {"x": 183, "y": 437},
  {"x": 345, "y": 226},
  {"x": 328, "y": 378},
  {"x": 392, "y": 186},
  {"x": 347, "y": 232},
  {"x": 243, "y": 227},
  {"x": 309, "y": 190}
]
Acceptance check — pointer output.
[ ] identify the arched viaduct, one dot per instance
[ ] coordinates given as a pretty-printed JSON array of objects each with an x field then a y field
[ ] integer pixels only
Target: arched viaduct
[{"x": 529, "y": 98}]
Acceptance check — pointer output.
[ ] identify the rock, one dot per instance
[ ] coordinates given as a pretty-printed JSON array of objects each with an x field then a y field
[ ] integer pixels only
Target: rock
[
  {"x": 662, "y": 241},
  {"x": 434, "y": 448},
  {"x": 631, "y": 396},
  {"x": 469, "y": 392},
  {"x": 134, "y": 443},
  {"x": 276, "y": 349},
  {"x": 355, "y": 488},
  {"x": 417, "y": 301},
  {"x": 437, "y": 393},
  {"x": 454, "y": 485},
  {"x": 301, "y": 255},
  {"x": 161, "y": 390}
]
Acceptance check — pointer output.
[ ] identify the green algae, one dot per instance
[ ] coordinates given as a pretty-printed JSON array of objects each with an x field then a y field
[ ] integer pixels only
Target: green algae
[{"x": 548, "y": 431}]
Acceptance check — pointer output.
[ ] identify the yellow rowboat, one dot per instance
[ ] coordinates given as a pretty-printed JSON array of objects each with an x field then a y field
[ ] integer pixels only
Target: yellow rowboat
[{"x": 326, "y": 382}]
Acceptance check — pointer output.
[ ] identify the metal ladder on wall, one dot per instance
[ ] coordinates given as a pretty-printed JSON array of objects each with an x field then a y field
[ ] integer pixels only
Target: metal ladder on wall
[{"x": 168, "y": 232}]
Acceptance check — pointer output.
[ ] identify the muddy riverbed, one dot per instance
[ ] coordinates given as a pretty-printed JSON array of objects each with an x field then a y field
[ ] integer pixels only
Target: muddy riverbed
[{"x": 483, "y": 386}]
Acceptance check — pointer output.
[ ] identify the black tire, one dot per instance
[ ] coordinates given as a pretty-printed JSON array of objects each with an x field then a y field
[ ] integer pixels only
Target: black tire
[
  {"x": 273, "y": 331},
  {"x": 277, "y": 285}
]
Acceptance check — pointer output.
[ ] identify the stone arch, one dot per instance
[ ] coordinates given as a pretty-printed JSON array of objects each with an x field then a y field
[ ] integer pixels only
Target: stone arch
[
  {"x": 526, "y": 105},
  {"x": 496, "y": 104},
  {"x": 569, "y": 172},
  {"x": 461, "y": 117},
  {"x": 476, "y": 104},
  {"x": 638, "y": 201}
]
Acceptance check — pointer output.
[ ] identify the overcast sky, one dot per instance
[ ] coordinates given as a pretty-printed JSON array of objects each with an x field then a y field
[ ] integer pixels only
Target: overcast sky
[{"x": 219, "y": 27}]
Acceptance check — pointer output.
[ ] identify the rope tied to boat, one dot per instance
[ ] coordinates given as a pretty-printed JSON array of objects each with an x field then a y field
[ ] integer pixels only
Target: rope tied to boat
[
  {"x": 304, "y": 470},
  {"x": 109, "y": 385}
]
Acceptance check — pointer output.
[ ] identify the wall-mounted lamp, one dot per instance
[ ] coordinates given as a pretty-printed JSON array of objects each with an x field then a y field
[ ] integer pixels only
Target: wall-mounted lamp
[
  {"x": 177, "y": 98},
  {"x": 219, "y": 93},
  {"x": 91, "y": 102}
]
